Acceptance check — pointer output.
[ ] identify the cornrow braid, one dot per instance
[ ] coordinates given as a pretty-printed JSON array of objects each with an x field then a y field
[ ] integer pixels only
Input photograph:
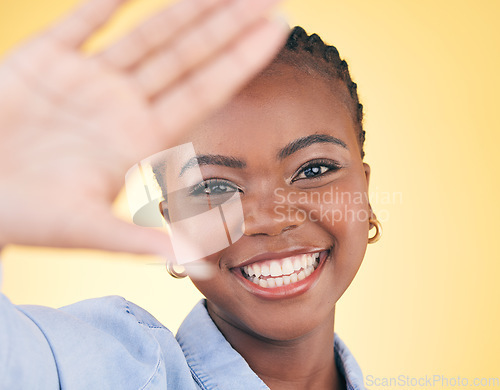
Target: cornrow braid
[{"x": 310, "y": 53}]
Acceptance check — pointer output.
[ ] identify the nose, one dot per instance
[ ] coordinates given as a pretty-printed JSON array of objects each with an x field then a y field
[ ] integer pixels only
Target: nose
[{"x": 264, "y": 215}]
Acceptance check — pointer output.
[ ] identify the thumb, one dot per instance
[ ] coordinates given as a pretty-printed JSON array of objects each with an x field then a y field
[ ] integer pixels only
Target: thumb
[{"x": 107, "y": 232}]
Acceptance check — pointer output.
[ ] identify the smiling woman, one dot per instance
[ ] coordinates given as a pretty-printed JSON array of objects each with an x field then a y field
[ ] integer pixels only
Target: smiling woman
[
  {"x": 272, "y": 283},
  {"x": 272, "y": 293}
]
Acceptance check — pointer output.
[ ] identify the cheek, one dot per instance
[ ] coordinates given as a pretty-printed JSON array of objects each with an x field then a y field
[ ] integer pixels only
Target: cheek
[
  {"x": 342, "y": 208},
  {"x": 343, "y": 212},
  {"x": 216, "y": 285},
  {"x": 213, "y": 288}
]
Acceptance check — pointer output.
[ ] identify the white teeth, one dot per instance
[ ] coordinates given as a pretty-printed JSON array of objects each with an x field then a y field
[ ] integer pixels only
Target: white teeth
[
  {"x": 303, "y": 261},
  {"x": 288, "y": 267},
  {"x": 297, "y": 263},
  {"x": 275, "y": 268},
  {"x": 277, "y": 273},
  {"x": 256, "y": 269}
]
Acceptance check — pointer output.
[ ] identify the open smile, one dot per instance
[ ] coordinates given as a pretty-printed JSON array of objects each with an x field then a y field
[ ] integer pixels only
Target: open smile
[
  {"x": 276, "y": 273},
  {"x": 282, "y": 277}
]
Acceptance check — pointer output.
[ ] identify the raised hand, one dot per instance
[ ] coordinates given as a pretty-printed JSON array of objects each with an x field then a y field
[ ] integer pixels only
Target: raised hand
[{"x": 71, "y": 124}]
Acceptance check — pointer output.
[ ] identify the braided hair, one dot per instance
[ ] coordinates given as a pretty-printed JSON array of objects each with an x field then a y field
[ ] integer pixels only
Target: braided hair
[{"x": 310, "y": 54}]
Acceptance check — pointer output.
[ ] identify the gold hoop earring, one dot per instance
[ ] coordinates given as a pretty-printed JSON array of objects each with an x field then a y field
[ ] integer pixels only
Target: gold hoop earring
[
  {"x": 173, "y": 273},
  {"x": 375, "y": 222}
]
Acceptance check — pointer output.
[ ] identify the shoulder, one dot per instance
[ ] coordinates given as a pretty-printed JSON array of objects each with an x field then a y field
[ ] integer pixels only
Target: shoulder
[
  {"x": 109, "y": 324},
  {"x": 112, "y": 309},
  {"x": 112, "y": 314},
  {"x": 121, "y": 343}
]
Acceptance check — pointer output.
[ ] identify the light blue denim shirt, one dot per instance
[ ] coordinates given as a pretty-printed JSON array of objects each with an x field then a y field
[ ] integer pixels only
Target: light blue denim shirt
[{"x": 110, "y": 343}]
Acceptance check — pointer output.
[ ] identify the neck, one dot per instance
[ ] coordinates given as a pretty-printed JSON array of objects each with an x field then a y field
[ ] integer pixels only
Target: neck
[{"x": 307, "y": 362}]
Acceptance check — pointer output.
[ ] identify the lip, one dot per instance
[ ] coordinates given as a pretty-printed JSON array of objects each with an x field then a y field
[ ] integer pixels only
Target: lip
[{"x": 287, "y": 291}]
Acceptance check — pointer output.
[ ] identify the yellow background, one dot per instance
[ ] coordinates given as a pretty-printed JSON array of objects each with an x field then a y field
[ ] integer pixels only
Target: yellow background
[{"x": 427, "y": 298}]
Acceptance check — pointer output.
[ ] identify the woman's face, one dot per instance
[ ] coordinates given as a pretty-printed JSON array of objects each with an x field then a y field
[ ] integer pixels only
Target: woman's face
[{"x": 303, "y": 188}]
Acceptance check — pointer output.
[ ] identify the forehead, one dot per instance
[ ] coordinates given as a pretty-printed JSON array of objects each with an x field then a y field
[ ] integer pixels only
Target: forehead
[{"x": 280, "y": 105}]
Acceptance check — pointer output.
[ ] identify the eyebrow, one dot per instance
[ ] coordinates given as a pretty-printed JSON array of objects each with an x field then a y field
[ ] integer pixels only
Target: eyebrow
[
  {"x": 304, "y": 142},
  {"x": 212, "y": 159},
  {"x": 288, "y": 150}
]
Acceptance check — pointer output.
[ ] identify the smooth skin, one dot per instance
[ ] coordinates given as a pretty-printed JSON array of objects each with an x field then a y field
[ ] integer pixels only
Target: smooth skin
[
  {"x": 71, "y": 125},
  {"x": 287, "y": 342}
]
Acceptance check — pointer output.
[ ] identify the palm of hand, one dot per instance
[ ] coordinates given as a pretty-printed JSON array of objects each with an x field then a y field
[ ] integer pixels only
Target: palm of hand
[
  {"x": 72, "y": 125},
  {"x": 78, "y": 108}
]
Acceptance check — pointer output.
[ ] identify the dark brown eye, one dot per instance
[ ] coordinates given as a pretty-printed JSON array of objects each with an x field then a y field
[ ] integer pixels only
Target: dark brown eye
[
  {"x": 213, "y": 187},
  {"x": 315, "y": 169}
]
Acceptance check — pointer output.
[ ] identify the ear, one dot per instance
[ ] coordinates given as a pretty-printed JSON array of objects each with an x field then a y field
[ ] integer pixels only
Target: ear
[
  {"x": 367, "y": 175},
  {"x": 163, "y": 206}
]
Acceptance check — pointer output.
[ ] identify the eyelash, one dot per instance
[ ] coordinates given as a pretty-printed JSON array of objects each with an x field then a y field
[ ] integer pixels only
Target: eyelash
[
  {"x": 332, "y": 166},
  {"x": 201, "y": 188}
]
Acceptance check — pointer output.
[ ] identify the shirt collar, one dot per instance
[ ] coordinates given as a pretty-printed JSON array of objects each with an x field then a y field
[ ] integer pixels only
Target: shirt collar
[
  {"x": 215, "y": 364},
  {"x": 347, "y": 365}
]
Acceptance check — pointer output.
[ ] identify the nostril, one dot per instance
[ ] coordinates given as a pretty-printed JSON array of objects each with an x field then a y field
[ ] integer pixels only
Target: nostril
[
  {"x": 262, "y": 220},
  {"x": 289, "y": 228}
]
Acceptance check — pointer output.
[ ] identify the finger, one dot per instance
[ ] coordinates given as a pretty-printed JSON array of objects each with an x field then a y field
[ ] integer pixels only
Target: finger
[
  {"x": 226, "y": 75},
  {"x": 76, "y": 28},
  {"x": 106, "y": 232},
  {"x": 155, "y": 32},
  {"x": 199, "y": 44}
]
